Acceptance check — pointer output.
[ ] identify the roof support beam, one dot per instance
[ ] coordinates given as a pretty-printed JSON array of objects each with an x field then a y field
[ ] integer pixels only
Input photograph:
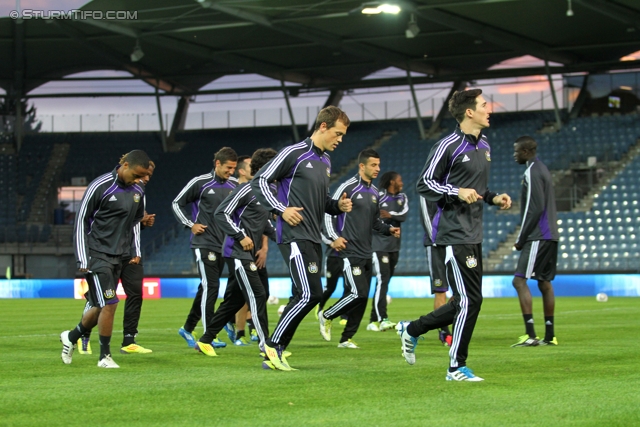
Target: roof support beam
[
  {"x": 117, "y": 59},
  {"x": 613, "y": 10},
  {"x": 493, "y": 35},
  {"x": 581, "y": 99},
  {"x": 416, "y": 105},
  {"x": 179, "y": 120},
  {"x": 324, "y": 39},
  {"x": 294, "y": 128},
  {"x": 18, "y": 81},
  {"x": 204, "y": 52}
]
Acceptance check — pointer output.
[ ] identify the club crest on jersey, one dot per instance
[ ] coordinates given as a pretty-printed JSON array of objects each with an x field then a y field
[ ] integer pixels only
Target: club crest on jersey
[
  {"x": 438, "y": 282},
  {"x": 212, "y": 256},
  {"x": 328, "y": 172},
  {"x": 356, "y": 271},
  {"x": 313, "y": 268},
  {"x": 385, "y": 259},
  {"x": 253, "y": 266},
  {"x": 400, "y": 202},
  {"x": 487, "y": 154},
  {"x": 136, "y": 197},
  {"x": 109, "y": 293},
  {"x": 472, "y": 262},
  {"x": 374, "y": 199},
  {"x": 328, "y": 275}
]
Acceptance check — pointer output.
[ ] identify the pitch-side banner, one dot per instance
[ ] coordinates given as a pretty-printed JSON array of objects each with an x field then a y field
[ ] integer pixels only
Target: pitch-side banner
[{"x": 627, "y": 285}]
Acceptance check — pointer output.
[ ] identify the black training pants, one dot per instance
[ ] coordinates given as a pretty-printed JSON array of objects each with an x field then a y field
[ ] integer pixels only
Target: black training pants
[
  {"x": 210, "y": 265},
  {"x": 244, "y": 285},
  {"x": 463, "y": 265},
  {"x": 357, "y": 278},
  {"x": 304, "y": 259},
  {"x": 384, "y": 265}
]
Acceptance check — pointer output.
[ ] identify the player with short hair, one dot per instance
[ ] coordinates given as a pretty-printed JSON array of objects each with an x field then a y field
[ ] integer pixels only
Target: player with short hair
[
  {"x": 352, "y": 236},
  {"x": 538, "y": 241},
  {"x": 205, "y": 193},
  {"x": 243, "y": 221},
  {"x": 455, "y": 178},
  {"x": 394, "y": 206},
  {"x": 131, "y": 275},
  {"x": 302, "y": 173},
  {"x": 112, "y": 204}
]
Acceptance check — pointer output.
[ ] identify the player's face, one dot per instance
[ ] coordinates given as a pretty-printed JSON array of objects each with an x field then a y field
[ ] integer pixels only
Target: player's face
[
  {"x": 226, "y": 169},
  {"x": 145, "y": 179},
  {"x": 371, "y": 169},
  {"x": 131, "y": 175},
  {"x": 247, "y": 169},
  {"x": 520, "y": 154},
  {"x": 331, "y": 137},
  {"x": 397, "y": 184},
  {"x": 481, "y": 115}
]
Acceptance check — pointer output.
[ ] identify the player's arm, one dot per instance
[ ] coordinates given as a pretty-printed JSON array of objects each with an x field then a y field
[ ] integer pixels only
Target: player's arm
[
  {"x": 533, "y": 208},
  {"x": 401, "y": 215},
  {"x": 189, "y": 194},
  {"x": 380, "y": 226},
  {"x": 238, "y": 198},
  {"x": 275, "y": 169},
  {"x": 431, "y": 186},
  {"x": 90, "y": 204}
]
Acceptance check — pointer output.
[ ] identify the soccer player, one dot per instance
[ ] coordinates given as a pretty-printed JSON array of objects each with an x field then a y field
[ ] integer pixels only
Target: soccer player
[
  {"x": 538, "y": 241},
  {"x": 243, "y": 220},
  {"x": 302, "y": 171},
  {"x": 394, "y": 206},
  {"x": 206, "y": 192},
  {"x": 354, "y": 229},
  {"x": 131, "y": 274},
  {"x": 455, "y": 177},
  {"x": 111, "y": 206},
  {"x": 437, "y": 271}
]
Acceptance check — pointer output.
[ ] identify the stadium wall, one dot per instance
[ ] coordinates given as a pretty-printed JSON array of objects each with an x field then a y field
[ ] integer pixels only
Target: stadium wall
[{"x": 627, "y": 285}]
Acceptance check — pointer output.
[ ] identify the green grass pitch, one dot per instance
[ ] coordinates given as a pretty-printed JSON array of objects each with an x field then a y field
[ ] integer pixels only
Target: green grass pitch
[{"x": 590, "y": 379}]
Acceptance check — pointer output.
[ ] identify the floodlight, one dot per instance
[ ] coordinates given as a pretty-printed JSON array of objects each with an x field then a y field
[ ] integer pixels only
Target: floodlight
[
  {"x": 569, "y": 9},
  {"x": 412, "y": 28},
  {"x": 377, "y": 8},
  {"x": 137, "y": 53},
  {"x": 393, "y": 9}
]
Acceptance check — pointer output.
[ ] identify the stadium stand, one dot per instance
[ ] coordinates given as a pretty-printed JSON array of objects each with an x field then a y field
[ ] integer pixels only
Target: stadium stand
[{"x": 603, "y": 238}]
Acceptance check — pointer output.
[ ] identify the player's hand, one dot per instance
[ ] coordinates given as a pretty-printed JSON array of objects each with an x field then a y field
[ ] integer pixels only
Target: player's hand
[
  {"x": 395, "y": 232},
  {"x": 135, "y": 260},
  {"x": 247, "y": 243},
  {"x": 468, "y": 195},
  {"x": 517, "y": 247},
  {"x": 503, "y": 200},
  {"x": 292, "y": 216},
  {"x": 83, "y": 270},
  {"x": 198, "y": 229},
  {"x": 148, "y": 220},
  {"x": 339, "y": 244},
  {"x": 261, "y": 258},
  {"x": 344, "y": 204},
  {"x": 384, "y": 214}
]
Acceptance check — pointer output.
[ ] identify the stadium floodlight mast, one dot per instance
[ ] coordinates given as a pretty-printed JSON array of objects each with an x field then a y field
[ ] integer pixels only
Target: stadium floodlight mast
[
  {"x": 412, "y": 28},
  {"x": 378, "y": 8},
  {"x": 137, "y": 53}
]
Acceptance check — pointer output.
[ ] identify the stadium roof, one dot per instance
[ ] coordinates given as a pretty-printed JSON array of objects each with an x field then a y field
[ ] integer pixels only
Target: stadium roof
[{"x": 317, "y": 44}]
